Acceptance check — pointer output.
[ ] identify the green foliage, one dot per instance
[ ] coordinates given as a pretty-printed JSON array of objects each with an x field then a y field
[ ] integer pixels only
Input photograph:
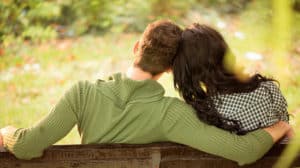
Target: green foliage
[
  {"x": 41, "y": 20},
  {"x": 226, "y": 6},
  {"x": 28, "y": 19},
  {"x": 119, "y": 15},
  {"x": 39, "y": 33},
  {"x": 44, "y": 11}
]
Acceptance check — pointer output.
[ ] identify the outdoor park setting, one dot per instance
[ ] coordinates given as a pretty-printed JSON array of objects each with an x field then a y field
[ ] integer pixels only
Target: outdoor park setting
[{"x": 46, "y": 46}]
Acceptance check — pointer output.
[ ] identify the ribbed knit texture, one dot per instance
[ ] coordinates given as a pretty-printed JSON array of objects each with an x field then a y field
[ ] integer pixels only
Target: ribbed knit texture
[{"x": 122, "y": 110}]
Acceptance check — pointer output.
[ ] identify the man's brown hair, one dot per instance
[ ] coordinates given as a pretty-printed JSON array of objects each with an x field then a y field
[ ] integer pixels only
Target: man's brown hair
[{"x": 158, "y": 46}]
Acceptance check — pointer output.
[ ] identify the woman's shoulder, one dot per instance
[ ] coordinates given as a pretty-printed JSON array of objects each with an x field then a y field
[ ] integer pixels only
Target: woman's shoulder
[
  {"x": 272, "y": 90},
  {"x": 270, "y": 86},
  {"x": 264, "y": 90},
  {"x": 275, "y": 94}
]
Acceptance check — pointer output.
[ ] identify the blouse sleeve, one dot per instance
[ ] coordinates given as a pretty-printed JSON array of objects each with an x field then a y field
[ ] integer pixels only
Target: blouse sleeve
[
  {"x": 181, "y": 125},
  {"x": 27, "y": 143},
  {"x": 279, "y": 103}
]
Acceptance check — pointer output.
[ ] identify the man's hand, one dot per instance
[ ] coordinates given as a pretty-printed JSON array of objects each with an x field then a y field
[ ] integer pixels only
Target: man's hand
[
  {"x": 1, "y": 141},
  {"x": 279, "y": 129},
  {"x": 4, "y": 131},
  {"x": 2, "y": 149}
]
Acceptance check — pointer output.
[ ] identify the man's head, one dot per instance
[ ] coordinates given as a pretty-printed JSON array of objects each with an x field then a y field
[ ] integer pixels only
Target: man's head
[{"x": 157, "y": 46}]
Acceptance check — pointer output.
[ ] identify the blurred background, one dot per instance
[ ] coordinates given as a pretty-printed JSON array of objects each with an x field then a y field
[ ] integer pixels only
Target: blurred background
[{"x": 45, "y": 46}]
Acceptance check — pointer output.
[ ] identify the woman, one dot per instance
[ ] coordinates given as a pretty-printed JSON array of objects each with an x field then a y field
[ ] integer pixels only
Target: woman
[{"x": 205, "y": 76}]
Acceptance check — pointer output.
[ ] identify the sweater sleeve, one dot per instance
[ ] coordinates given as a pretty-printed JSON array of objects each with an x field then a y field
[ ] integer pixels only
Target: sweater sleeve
[
  {"x": 181, "y": 125},
  {"x": 27, "y": 143}
]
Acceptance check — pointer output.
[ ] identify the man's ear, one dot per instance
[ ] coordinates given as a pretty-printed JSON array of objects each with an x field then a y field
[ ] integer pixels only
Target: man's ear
[
  {"x": 136, "y": 47},
  {"x": 135, "y": 52}
]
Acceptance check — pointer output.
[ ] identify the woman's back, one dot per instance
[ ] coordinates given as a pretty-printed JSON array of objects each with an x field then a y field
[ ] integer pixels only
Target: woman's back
[{"x": 257, "y": 109}]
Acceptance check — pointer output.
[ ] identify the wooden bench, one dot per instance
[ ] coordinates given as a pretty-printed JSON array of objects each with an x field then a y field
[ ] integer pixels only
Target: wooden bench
[{"x": 163, "y": 155}]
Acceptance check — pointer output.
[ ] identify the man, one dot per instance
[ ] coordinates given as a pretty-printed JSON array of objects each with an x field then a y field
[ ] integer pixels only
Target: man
[{"x": 132, "y": 109}]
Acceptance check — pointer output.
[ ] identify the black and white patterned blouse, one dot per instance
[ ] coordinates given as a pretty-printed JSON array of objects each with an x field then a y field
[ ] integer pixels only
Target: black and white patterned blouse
[{"x": 257, "y": 109}]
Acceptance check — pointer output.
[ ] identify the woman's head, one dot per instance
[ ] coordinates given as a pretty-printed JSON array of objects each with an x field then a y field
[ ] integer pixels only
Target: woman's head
[
  {"x": 201, "y": 56},
  {"x": 202, "y": 70},
  {"x": 203, "y": 48}
]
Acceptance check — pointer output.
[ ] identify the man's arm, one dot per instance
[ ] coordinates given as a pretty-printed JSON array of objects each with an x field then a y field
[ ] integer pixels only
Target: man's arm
[
  {"x": 181, "y": 125},
  {"x": 27, "y": 143}
]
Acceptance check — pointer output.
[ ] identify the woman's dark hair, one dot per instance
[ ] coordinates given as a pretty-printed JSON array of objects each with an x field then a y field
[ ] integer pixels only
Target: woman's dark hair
[{"x": 200, "y": 74}]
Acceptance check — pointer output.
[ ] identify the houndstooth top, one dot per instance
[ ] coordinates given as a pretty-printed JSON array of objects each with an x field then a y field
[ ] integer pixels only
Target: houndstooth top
[{"x": 260, "y": 108}]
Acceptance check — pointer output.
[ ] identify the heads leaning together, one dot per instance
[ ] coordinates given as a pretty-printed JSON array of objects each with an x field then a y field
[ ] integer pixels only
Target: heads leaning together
[{"x": 201, "y": 62}]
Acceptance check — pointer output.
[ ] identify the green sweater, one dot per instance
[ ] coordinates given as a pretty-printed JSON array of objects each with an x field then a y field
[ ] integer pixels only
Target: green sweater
[{"x": 122, "y": 110}]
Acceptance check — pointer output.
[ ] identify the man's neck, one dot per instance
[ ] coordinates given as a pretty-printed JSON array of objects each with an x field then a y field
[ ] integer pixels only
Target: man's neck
[{"x": 136, "y": 73}]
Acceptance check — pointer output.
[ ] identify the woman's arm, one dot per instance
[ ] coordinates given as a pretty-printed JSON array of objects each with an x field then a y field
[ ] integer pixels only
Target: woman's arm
[
  {"x": 181, "y": 125},
  {"x": 27, "y": 143}
]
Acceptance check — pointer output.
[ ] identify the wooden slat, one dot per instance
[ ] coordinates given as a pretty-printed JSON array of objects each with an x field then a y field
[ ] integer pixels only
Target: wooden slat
[{"x": 163, "y": 155}]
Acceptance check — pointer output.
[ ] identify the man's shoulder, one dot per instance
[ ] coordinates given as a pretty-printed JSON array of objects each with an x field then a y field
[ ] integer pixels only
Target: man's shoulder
[
  {"x": 177, "y": 104},
  {"x": 84, "y": 84},
  {"x": 99, "y": 81}
]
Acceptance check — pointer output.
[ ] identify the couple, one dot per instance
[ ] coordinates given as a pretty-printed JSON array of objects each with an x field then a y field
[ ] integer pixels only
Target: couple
[{"x": 131, "y": 108}]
